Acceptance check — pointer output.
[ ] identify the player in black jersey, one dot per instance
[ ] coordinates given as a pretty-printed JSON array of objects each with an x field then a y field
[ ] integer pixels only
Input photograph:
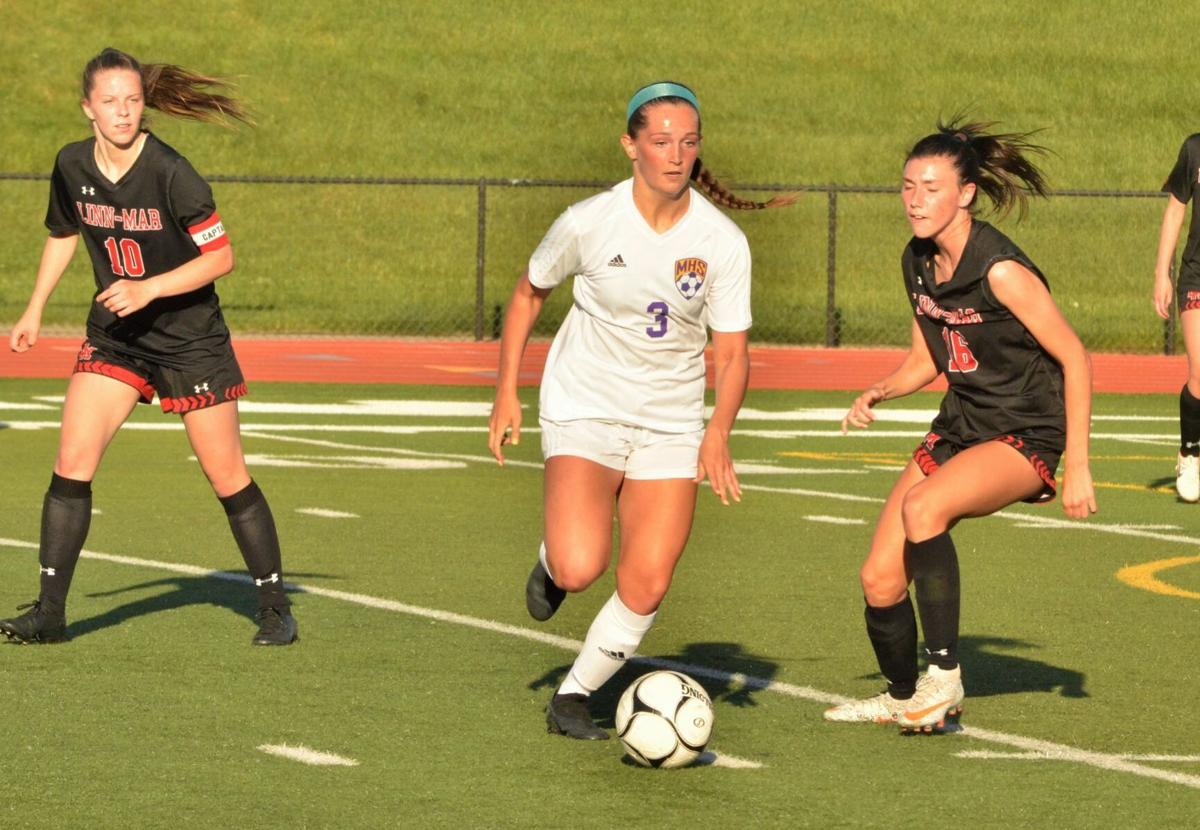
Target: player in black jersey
[
  {"x": 1179, "y": 187},
  {"x": 1019, "y": 395},
  {"x": 157, "y": 245}
]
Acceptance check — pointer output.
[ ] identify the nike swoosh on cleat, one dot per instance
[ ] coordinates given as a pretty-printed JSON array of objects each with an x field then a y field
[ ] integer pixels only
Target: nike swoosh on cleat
[{"x": 912, "y": 716}]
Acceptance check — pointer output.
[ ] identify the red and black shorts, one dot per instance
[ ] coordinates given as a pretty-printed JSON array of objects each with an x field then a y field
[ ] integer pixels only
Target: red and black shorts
[
  {"x": 209, "y": 377},
  {"x": 1187, "y": 290},
  {"x": 1043, "y": 456}
]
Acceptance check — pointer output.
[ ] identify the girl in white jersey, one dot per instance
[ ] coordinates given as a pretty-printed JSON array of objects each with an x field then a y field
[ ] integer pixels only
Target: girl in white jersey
[{"x": 622, "y": 397}]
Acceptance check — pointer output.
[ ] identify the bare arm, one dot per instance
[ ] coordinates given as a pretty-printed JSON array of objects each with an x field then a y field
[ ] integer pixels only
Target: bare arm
[
  {"x": 916, "y": 372},
  {"x": 1030, "y": 301},
  {"x": 56, "y": 256},
  {"x": 124, "y": 297},
  {"x": 1168, "y": 238},
  {"x": 523, "y": 310},
  {"x": 731, "y": 359}
]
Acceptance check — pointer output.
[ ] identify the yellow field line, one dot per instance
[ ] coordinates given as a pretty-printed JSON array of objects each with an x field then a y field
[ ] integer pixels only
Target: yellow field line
[{"x": 1143, "y": 576}]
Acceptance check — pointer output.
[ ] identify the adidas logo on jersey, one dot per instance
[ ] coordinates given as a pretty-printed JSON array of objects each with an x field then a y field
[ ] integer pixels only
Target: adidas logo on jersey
[
  {"x": 616, "y": 262},
  {"x": 612, "y": 655}
]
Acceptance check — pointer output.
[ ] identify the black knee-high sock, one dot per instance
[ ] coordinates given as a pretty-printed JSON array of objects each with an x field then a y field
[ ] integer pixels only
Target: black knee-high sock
[
  {"x": 934, "y": 568},
  {"x": 1189, "y": 423},
  {"x": 254, "y": 531},
  {"x": 66, "y": 516},
  {"x": 893, "y": 633}
]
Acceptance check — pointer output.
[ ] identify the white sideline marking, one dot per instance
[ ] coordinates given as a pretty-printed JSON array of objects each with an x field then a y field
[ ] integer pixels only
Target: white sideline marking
[
  {"x": 778, "y": 470},
  {"x": 891, "y": 468},
  {"x": 326, "y": 514},
  {"x": 1099, "y": 760},
  {"x": 720, "y": 759},
  {"x": 350, "y": 462},
  {"x": 403, "y": 408},
  {"x": 836, "y": 520},
  {"x": 24, "y": 406},
  {"x": 317, "y": 442},
  {"x": 900, "y": 415},
  {"x": 308, "y": 756},
  {"x": 1044, "y": 756}
]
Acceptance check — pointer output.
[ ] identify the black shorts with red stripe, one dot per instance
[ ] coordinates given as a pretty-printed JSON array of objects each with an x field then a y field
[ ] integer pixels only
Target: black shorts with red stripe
[
  {"x": 1187, "y": 290},
  {"x": 1041, "y": 454},
  {"x": 208, "y": 378}
]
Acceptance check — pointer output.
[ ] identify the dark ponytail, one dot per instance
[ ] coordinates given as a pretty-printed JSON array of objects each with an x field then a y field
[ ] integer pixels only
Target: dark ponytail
[
  {"x": 171, "y": 89},
  {"x": 997, "y": 164},
  {"x": 700, "y": 174}
]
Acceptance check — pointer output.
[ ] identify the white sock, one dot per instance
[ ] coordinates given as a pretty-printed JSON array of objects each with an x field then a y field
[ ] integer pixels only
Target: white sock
[
  {"x": 542, "y": 558},
  {"x": 613, "y": 638}
]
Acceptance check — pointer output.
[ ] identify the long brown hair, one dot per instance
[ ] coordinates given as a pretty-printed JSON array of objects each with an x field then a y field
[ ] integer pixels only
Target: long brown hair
[
  {"x": 700, "y": 174},
  {"x": 171, "y": 89},
  {"x": 998, "y": 164}
]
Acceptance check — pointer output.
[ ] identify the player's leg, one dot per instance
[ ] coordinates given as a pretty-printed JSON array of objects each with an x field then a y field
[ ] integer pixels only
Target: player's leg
[
  {"x": 215, "y": 436},
  {"x": 890, "y": 618},
  {"x": 1187, "y": 467},
  {"x": 585, "y": 462},
  {"x": 976, "y": 482},
  {"x": 95, "y": 408}
]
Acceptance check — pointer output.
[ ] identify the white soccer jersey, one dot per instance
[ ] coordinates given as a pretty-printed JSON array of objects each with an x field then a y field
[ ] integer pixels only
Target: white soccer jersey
[{"x": 631, "y": 349}]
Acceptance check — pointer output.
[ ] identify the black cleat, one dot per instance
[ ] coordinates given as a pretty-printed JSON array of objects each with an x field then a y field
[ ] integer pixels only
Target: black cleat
[
  {"x": 36, "y": 625},
  {"x": 542, "y": 596},
  {"x": 276, "y": 627},
  {"x": 568, "y": 715}
]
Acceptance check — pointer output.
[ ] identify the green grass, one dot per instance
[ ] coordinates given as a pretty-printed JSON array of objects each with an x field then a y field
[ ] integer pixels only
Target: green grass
[
  {"x": 804, "y": 92},
  {"x": 152, "y": 714}
]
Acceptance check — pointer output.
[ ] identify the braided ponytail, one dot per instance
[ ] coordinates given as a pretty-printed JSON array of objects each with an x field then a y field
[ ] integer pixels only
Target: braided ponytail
[
  {"x": 998, "y": 164},
  {"x": 171, "y": 89},
  {"x": 701, "y": 175}
]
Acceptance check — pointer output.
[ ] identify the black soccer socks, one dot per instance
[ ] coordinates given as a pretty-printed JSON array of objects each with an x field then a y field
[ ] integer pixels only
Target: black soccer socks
[
  {"x": 893, "y": 633},
  {"x": 254, "y": 531},
  {"x": 66, "y": 516},
  {"x": 1189, "y": 422},
  {"x": 933, "y": 565}
]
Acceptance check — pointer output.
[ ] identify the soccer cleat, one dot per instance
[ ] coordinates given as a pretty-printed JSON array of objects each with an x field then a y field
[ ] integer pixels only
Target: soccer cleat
[
  {"x": 1187, "y": 477},
  {"x": 542, "y": 596},
  {"x": 937, "y": 706},
  {"x": 35, "y": 625},
  {"x": 883, "y": 708},
  {"x": 568, "y": 715},
  {"x": 276, "y": 627}
]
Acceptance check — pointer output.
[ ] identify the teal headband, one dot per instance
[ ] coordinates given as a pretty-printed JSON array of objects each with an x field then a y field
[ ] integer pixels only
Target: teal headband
[{"x": 663, "y": 89}]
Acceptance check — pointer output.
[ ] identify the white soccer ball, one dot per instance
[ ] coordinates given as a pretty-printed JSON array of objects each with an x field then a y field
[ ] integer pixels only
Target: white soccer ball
[{"x": 664, "y": 719}]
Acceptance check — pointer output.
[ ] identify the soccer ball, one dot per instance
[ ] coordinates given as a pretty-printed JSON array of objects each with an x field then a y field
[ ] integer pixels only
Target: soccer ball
[
  {"x": 688, "y": 284},
  {"x": 664, "y": 719}
]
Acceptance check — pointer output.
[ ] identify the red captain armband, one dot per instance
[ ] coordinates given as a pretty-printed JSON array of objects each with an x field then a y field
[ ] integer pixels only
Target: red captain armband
[{"x": 209, "y": 235}]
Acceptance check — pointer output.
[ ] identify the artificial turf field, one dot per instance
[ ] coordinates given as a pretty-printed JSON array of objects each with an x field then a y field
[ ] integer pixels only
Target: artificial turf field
[{"x": 418, "y": 662}]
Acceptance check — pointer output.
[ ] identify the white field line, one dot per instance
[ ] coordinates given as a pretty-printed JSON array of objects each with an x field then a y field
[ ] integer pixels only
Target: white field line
[
  {"x": 308, "y": 756},
  {"x": 420, "y": 429},
  {"x": 349, "y": 462},
  {"x": 987, "y": 754},
  {"x": 836, "y": 520},
  {"x": 1099, "y": 760},
  {"x": 326, "y": 514},
  {"x": 8, "y": 405},
  {"x": 720, "y": 759}
]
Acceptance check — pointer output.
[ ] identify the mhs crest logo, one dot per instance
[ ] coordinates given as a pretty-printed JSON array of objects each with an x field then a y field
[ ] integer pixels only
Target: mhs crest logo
[{"x": 689, "y": 276}]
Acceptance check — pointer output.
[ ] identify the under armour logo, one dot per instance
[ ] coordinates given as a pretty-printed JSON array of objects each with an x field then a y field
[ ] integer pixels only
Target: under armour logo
[
  {"x": 941, "y": 652},
  {"x": 261, "y": 582},
  {"x": 203, "y": 387},
  {"x": 48, "y": 571},
  {"x": 87, "y": 191}
]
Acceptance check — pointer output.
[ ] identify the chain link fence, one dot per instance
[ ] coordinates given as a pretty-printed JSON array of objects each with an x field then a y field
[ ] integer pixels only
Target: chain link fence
[{"x": 437, "y": 257}]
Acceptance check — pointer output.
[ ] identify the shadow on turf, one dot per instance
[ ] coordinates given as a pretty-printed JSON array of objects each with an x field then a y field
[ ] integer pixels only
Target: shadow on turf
[
  {"x": 987, "y": 671},
  {"x": 727, "y": 657},
  {"x": 187, "y": 590}
]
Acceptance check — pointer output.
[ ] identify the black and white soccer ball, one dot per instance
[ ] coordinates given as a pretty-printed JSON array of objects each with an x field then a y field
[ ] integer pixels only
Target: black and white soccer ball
[{"x": 664, "y": 719}]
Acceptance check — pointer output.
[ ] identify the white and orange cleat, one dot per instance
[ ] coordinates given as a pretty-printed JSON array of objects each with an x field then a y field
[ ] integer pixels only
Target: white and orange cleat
[
  {"x": 937, "y": 706},
  {"x": 883, "y": 708}
]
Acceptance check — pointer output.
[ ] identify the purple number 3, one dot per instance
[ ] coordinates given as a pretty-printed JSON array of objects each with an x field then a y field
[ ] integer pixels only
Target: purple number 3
[{"x": 659, "y": 309}]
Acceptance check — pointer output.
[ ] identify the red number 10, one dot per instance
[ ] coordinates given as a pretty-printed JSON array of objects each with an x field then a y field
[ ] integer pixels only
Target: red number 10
[
  {"x": 126, "y": 260},
  {"x": 961, "y": 359}
]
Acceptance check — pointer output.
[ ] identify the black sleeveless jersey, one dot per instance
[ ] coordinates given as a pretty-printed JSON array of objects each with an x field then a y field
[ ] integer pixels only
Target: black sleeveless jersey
[
  {"x": 158, "y": 216},
  {"x": 1001, "y": 381},
  {"x": 1182, "y": 183}
]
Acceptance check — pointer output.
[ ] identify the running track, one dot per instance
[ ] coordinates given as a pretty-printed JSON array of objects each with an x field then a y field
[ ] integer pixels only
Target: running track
[{"x": 446, "y": 362}]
